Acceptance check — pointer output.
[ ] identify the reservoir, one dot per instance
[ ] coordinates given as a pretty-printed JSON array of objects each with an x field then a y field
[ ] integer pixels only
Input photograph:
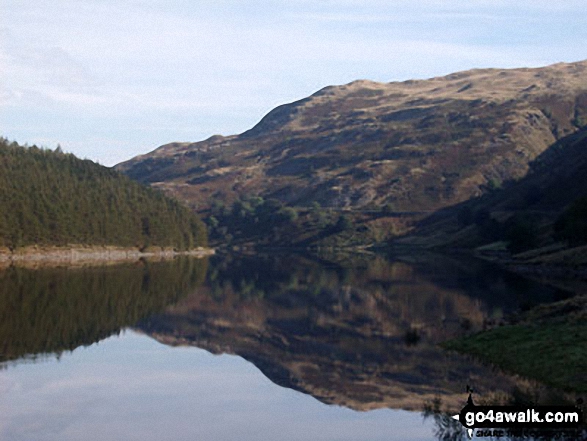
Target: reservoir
[{"x": 250, "y": 347}]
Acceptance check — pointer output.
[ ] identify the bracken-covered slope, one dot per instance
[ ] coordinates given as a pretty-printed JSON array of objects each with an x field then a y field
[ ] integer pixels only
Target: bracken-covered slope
[{"x": 412, "y": 146}]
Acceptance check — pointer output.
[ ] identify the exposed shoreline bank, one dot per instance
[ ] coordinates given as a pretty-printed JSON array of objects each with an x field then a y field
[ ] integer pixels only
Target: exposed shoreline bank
[{"x": 34, "y": 256}]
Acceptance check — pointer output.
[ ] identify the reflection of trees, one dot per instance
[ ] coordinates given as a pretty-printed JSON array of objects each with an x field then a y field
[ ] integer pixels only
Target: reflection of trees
[
  {"x": 445, "y": 430},
  {"x": 276, "y": 275},
  {"x": 421, "y": 291},
  {"x": 57, "y": 309},
  {"x": 268, "y": 276},
  {"x": 448, "y": 429},
  {"x": 360, "y": 333},
  {"x": 445, "y": 427},
  {"x": 481, "y": 280}
]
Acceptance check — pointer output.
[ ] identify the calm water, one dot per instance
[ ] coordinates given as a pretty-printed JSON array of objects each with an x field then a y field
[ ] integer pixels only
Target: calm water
[{"x": 274, "y": 347}]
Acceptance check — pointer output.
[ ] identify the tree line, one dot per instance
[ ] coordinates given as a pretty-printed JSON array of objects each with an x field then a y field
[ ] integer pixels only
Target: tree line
[
  {"x": 271, "y": 222},
  {"x": 54, "y": 198}
]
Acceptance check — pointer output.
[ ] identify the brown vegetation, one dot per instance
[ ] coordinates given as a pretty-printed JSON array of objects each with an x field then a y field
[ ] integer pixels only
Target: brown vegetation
[{"x": 415, "y": 145}]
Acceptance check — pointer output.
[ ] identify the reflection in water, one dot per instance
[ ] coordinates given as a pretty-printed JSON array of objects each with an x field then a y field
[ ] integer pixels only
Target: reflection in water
[
  {"x": 56, "y": 309},
  {"x": 131, "y": 388},
  {"x": 448, "y": 429},
  {"x": 361, "y": 333}
]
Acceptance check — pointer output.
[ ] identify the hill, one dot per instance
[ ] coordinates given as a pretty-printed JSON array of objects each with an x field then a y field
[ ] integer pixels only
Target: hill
[
  {"x": 355, "y": 164},
  {"x": 545, "y": 210},
  {"x": 51, "y": 198},
  {"x": 413, "y": 145}
]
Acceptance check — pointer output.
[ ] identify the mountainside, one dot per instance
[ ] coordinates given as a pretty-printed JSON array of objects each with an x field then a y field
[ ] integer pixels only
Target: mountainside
[
  {"x": 547, "y": 208},
  {"x": 410, "y": 146},
  {"x": 52, "y": 198}
]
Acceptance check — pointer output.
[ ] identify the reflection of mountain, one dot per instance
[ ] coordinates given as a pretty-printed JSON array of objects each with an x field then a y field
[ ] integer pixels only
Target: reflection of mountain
[
  {"x": 363, "y": 335},
  {"x": 57, "y": 309}
]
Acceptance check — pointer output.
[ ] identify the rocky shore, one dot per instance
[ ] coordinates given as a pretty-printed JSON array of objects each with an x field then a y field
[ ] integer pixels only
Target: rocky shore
[{"x": 87, "y": 255}]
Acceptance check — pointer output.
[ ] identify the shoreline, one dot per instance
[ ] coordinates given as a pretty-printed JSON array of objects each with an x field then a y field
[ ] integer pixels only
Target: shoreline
[{"x": 88, "y": 255}]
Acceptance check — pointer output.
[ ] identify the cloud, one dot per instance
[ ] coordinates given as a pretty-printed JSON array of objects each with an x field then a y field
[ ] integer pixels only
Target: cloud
[
  {"x": 133, "y": 389},
  {"x": 218, "y": 67}
]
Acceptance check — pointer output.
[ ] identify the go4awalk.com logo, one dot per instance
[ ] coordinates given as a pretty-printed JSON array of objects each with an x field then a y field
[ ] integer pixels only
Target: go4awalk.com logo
[{"x": 501, "y": 421}]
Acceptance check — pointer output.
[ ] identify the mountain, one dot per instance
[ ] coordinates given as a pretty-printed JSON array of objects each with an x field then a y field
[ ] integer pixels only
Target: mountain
[
  {"x": 544, "y": 210},
  {"x": 412, "y": 146},
  {"x": 52, "y": 198}
]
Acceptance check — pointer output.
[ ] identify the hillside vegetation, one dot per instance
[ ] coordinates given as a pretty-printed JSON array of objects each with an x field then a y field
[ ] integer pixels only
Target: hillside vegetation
[
  {"x": 414, "y": 145},
  {"x": 546, "y": 211},
  {"x": 52, "y": 198},
  {"x": 371, "y": 151},
  {"x": 546, "y": 343}
]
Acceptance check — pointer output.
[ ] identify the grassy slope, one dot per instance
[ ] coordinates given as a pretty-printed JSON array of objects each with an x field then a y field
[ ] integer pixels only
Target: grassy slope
[{"x": 549, "y": 345}]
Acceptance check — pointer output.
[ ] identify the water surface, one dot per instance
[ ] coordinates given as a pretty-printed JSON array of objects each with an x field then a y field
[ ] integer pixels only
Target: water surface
[{"x": 273, "y": 347}]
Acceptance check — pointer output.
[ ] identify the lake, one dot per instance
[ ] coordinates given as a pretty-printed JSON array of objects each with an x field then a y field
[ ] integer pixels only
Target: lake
[{"x": 250, "y": 347}]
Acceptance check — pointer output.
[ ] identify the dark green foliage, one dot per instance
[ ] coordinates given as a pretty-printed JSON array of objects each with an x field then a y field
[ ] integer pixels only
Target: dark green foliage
[
  {"x": 56, "y": 309},
  {"x": 52, "y": 198},
  {"x": 288, "y": 214},
  {"x": 521, "y": 233},
  {"x": 553, "y": 353},
  {"x": 248, "y": 217},
  {"x": 489, "y": 229},
  {"x": 465, "y": 216},
  {"x": 412, "y": 337},
  {"x": 388, "y": 208},
  {"x": 344, "y": 223},
  {"x": 572, "y": 224},
  {"x": 255, "y": 221}
]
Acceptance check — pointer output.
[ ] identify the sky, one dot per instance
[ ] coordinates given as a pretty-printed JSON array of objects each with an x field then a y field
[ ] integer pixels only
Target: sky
[
  {"x": 111, "y": 79},
  {"x": 133, "y": 388}
]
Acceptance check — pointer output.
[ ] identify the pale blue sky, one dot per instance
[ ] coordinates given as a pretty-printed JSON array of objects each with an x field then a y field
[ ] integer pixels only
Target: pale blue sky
[{"x": 110, "y": 79}]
